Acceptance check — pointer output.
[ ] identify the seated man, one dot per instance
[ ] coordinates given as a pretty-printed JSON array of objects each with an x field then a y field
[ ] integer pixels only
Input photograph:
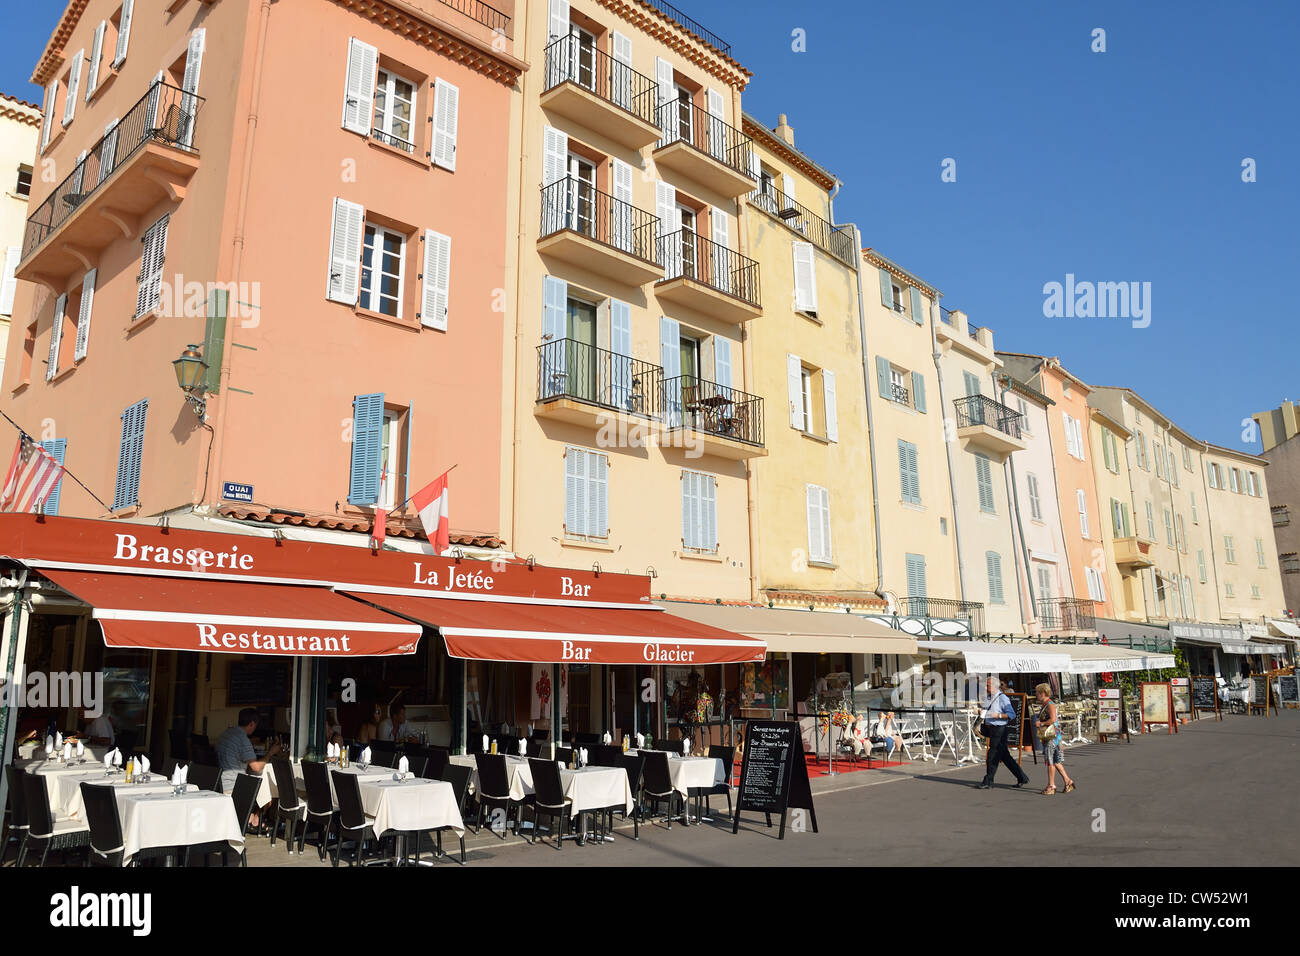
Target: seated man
[
  {"x": 235, "y": 751},
  {"x": 396, "y": 728}
]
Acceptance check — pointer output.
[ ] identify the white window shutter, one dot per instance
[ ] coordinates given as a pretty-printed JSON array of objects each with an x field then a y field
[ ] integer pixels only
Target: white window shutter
[
  {"x": 190, "y": 84},
  {"x": 123, "y": 33},
  {"x": 722, "y": 361},
  {"x": 620, "y": 343},
  {"x": 1083, "y": 511},
  {"x": 690, "y": 511},
  {"x": 74, "y": 86},
  {"x": 152, "y": 257},
  {"x": 359, "y": 89},
  {"x": 108, "y": 151},
  {"x": 347, "y": 235},
  {"x": 832, "y": 413},
  {"x": 437, "y": 280},
  {"x": 9, "y": 284},
  {"x": 555, "y": 167},
  {"x": 557, "y": 19},
  {"x": 826, "y": 525},
  {"x": 555, "y": 303},
  {"x": 621, "y": 217},
  {"x": 805, "y": 278},
  {"x": 598, "y": 483},
  {"x": 670, "y": 357},
  {"x": 717, "y": 125},
  {"x": 50, "y": 92},
  {"x": 575, "y": 491},
  {"x": 621, "y": 70},
  {"x": 794, "y": 380},
  {"x": 56, "y": 334},
  {"x": 83, "y": 317},
  {"x": 667, "y": 92},
  {"x": 721, "y": 257},
  {"x": 787, "y": 186},
  {"x": 813, "y": 501},
  {"x": 96, "y": 54},
  {"x": 666, "y": 210},
  {"x": 446, "y": 121}
]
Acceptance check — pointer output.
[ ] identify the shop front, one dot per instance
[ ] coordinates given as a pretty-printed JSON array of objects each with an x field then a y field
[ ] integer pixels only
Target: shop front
[{"x": 1223, "y": 650}]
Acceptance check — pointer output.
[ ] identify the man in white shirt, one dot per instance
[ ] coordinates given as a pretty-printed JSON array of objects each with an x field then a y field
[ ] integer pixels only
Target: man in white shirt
[
  {"x": 395, "y": 727},
  {"x": 997, "y": 711},
  {"x": 100, "y": 730}
]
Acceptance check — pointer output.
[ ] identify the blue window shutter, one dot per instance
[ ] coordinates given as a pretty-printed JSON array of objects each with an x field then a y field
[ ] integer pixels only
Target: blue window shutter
[
  {"x": 984, "y": 475},
  {"x": 882, "y": 377},
  {"x": 916, "y": 576},
  {"x": 886, "y": 290},
  {"x": 367, "y": 435},
  {"x": 917, "y": 315},
  {"x": 918, "y": 391},
  {"x": 908, "y": 477},
  {"x": 994, "y": 562},
  {"x": 57, "y": 449},
  {"x": 129, "y": 455}
]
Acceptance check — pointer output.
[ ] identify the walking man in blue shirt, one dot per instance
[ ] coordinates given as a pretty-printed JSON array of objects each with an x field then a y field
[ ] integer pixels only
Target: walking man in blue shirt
[{"x": 997, "y": 711}]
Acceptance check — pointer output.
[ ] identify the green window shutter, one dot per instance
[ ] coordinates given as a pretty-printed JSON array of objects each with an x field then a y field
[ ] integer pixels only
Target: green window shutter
[
  {"x": 916, "y": 575},
  {"x": 214, "y": 338},
  {"x": 882, "y": 377},
  {"x": 918, "y": 391},
  {"x": 917, "y": 315},
  {"x": 984, "y": 476},
  {"x": 886, "y": 290},
  {"x": 994, "y": 562},
  {"x": 908, "y": 476},
  {"x": 972, "y": 383}
]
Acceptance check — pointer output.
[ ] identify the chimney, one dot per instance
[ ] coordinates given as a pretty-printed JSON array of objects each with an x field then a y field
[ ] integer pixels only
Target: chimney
[{"x": 784, "y": 129}]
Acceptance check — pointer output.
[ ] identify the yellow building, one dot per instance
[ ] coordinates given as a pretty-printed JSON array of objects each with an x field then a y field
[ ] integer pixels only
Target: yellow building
[
  {"x": 1125, "y": 545},
  {"x": 1248, "y": 579},
  {"x": 814, "y": 531},
  {"x": 20, "y": 124}
]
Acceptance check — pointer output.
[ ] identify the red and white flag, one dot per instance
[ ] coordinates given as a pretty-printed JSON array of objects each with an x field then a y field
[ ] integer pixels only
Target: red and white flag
[
  {"x": 380, "y": 531},
  {"x": 431, "y": 502},
  {"x": 33, "y": 474}
]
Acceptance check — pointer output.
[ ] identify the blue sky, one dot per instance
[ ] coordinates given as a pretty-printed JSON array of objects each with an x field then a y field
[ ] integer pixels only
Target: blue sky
[{"x": 1117, "y": 166}]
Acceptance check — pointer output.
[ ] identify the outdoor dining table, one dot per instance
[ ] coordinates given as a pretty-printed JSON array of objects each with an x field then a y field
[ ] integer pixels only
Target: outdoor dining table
[
  {"x": 163, "y": 819},
  {"x": 68, "y": 789},
  {"x": 51, "y": 771},
  {"x": 693, "y": 773}
]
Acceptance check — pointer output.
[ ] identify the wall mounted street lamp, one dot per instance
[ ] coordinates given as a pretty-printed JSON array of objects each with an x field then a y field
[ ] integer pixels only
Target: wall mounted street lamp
[{"x": 190, "y": 370}]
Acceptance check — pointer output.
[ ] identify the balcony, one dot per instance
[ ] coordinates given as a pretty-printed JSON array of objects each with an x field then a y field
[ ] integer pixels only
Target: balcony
[
  {"x": 686, "y": 23},
  {"x": 581, "y": 384},
  {"x": 596, "y": 91},
  {"x": 704, "y": 149},
  {"x": 703, "y": 275},
  {"x": 988, "y": 425},
  {"x": 724, "y": 421},
  {"x": 148, "y": 157},
  {"x": 1133, "y": 553},
  {"x": 1065, "y": 614},
  {"x": 592, "y": 230},
  {"x": 480, "y": 12},
  {"x": 837, "y": 241},
  {"x": 940, "y": 617}
]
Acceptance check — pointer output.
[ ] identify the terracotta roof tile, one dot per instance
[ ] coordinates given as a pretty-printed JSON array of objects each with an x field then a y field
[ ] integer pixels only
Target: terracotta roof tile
[{"x": 397, "y": 527}]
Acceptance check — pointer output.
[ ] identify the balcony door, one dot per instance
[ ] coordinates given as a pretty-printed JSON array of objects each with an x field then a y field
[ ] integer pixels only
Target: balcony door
[
  {"x": 685, "y": 116},
  {"x": 689, "y": 349},
  {"x": 582, "y": 199},
  {"x": 580, "y": 360},
  {"x": 583, "y": 46},
  {"x": 688, "y": 240}
]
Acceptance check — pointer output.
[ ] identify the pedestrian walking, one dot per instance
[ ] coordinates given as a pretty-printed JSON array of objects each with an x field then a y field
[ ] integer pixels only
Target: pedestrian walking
[
  {"x": 997, "y": 711},
  {"x": 1048, "y": 729}
]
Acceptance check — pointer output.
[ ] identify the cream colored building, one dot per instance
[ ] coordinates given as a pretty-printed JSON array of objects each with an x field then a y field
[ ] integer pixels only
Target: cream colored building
[
  {"x": 814, "y": 532},
  {"x": 1248, "y": 579},
  {"x": 20, "y": 125},
  {"x": 985, "y": 433},
  {"x": 1125, "y": 545}
]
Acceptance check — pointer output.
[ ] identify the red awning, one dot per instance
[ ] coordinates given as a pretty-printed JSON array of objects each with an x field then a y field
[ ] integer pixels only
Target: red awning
[
  {"x": 235, "y": 617},
  {"x": 582, "y": 633}
]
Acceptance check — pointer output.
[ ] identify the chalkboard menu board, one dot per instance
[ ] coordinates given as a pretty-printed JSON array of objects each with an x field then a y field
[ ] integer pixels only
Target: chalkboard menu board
[
  {"x": 258, "y": 682},
  {"x": 773, "y": 774},
  {"x": 1017, "y": 729},
  {"x": 1259, "y": 690},
  {"x": 1204, "y": 693},
  {"x": 1289, "y": 689}
]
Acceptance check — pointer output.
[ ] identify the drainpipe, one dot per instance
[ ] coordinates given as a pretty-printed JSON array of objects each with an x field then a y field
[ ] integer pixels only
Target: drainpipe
[
  {"x": 871, "y": 427},
  {"x": 1020, "y": 522},
  {"x": 747, "y": 359},
  {"x": 947, "y": 448}
]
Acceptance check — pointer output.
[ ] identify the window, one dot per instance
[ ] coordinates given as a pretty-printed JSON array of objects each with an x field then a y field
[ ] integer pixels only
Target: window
[
  {"x": 1229, "y": 549},
  {"x": 8, "y": 283},
  {"x": 984, "y": 479},
  {"x": 24, "y": 185},
  {"x": 1212, "y": 470},
  {"x": 383, "y": 267},
  {"x": 1109, "y": 451},
  {"x": 819, "y": 523},
  {"x": 586, "y": 494},
  {"x": 149, "y": 281},
  {"x": 892, "y": 383},
  {"x": 1180, "y": 534},
  {"x": 1082, "y": 498},
  {"x": 1233, "y": 480},
  {"x": 1073, "y": 436},
  {"x": 369, "y": 436},
  {"x": 1023, "y": 407},
  {"x": 699, "y": 513},
  {"x": 1187, "y": 458},
  {"x": 73, "y": 86},
  {"x": 1045, "y": 590},
  {"x": 908, "y": 476},
  {"x": 1254, "y": 592},
  {"x": 805, "y": 387},
  {"x": 1200, "y": 565},
  {"x": 1169, "y": 529},
  {"x": 1281, "y": 516},
  {"x": 1142, "y": 452},
  {"x": 1290, "y": 563},
  {"x": 1172, "y": 468},
  {"x": 129, "y": 455},
  {"x": 916, "y": 587},
  {"x": 1151, "y": 522},
  {"x": 1035, "y": 504},
  {"x": 1196, "y": 518},
  {"x": 993, "y": 561},
  {"x": 1096, "y": 585},
  {"x": 1188, "y": 603},
  {"x": 1119, "y": 518},
  {"x": 1227, "y": 589},
  {"x": 805, "y": 390},
  {"x": 805, "y": 278},
  {"x": 1256, "y": 485},
  {"x": 1159, "y": 450},
  {"x": 897, "y": 384},
  {"x": 389, "y": 463},
  {"x": 394, "y": 111},
  {"x": 1259, "y": 552},
  {"x": 897, "y": 297}
]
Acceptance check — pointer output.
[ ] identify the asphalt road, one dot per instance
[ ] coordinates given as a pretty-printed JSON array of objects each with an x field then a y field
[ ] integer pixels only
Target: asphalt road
[{"x": 1216, "y": 794}]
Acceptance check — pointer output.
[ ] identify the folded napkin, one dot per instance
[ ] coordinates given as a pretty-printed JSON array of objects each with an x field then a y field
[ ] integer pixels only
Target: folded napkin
[
  {"x": 81, "y": 749},
  {"x": 607, "y": 738},
  {"x": 686, "y": 746},
  {"x": 523, "y": 747},
  {"x": 331, "y": 751},
  {"x": 176, "y": 776},
  {"x": 365, "y": 756},
  {"x": 486, "y": 745},
  {"x": 582, "y": 756},
  {"x": 67, "y": 750},
  {"x": 640, "y": 741},
  {"x": 403, "y": 765},
  {"x": 144, "y": 764},
  {"x": 49, "y": 746},
  {"x": 185, "y": 774},
  {"x": 117, "y": 757},
  {"x": 108, "y": 760},
  {"x": 58, "y": 741}
]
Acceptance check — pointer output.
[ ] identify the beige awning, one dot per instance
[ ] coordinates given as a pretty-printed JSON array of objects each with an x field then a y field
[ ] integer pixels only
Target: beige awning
[{"x": 801, "y": 632}]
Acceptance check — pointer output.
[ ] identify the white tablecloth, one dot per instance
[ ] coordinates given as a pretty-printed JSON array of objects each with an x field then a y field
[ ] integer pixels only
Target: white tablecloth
[
  {"x": 162, "y": 820},
  {"x": 518, "y": 773},
  {"x": 687, "y": 772},
  {"x": 267, "y": 791},
  {"x": 413, "y": 804},
  {"x": 595, "y": 788},
  {"x": 52, "y": 771},
  {"x": 69, "y": 789}
]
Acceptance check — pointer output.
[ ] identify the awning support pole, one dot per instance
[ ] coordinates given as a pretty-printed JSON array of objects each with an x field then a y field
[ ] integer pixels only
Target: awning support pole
[
  {"x": 16, "y": 627},
  {"x": 557, "y": 728}
]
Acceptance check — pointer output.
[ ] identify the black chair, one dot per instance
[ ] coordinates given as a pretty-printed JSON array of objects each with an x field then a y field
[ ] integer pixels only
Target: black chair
[
  {"x": 586, "y": 739},
  {"x": 17, "y": 814},
  {"x": 634, "y": 764},
  {"x": 535, "y": 747},
  {"x": 169, "y": 765},
  {"x": 42, "y": 827},
  {"x": 658, "y": 784},
  {"x": 548, "y": 798},
  {"x": 288, "y": 808},
  {"x": 352, "y": 815},
  {"x": 436, "y": 763},
  {"x": 564, "y": 755},
  {"x": 607, "y": 755},
  {"x": 320, "y": 804},
  {"x": 106, "y": 841},
  {"x": 728, "y": 757},
  {"x": 178, "y": 745},
  {"x": 382, "y": 758},
  {"x": 244, "y": 795},
  {"x": 415, "y": 764},
  {"x": 494, "y": 790},
  {"x": 205, "y": 777},
  {"x": 459, "y": 778}
]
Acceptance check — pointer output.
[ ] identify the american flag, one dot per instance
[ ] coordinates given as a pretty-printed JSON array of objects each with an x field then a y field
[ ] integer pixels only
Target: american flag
[{"x": 33, "y": 474}]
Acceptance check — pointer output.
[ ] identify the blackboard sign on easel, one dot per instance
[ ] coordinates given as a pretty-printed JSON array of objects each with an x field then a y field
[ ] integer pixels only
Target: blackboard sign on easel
[
  {"x": 1288, "y": 691},
  {"x": 1205, "y": 694},
  {"x": 1261, "y": 694},
  {"x": 773, "y": 773}
]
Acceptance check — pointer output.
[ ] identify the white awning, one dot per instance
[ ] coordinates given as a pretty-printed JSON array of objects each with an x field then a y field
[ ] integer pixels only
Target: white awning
[
  {"x": 985, "y": 657},
  {"x": 1285, "y": 628},
  {"x": 799, "y": 632},
  {"x": 1101, "y": 658},
  {"x": 1233, "y": 645}
]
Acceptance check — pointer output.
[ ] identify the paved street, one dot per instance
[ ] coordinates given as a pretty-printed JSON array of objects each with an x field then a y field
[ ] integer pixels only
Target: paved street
[{"x": 1213, "y": 795}]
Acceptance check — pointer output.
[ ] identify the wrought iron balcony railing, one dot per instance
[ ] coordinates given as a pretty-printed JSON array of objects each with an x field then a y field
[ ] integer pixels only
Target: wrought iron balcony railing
[
  {"x": 948, "y": 609},
  {"x": 835, "y": 240},
  {"x": 691, "y": 402},
  {"x": 567, "y": 368},
  {"x": 685, "y": 22},
  {"x": 568, "y": 60},
  {"x": 166, "y": 114},
  {"x": 1066, "y": 614},
  {"x": 901, "y": 394},
  {"x": 388, "y": 139},
  {"x": 477, "y": 10},
  {"x": 687, "y": 254},
  {"x": 571, "y": 203},
  {"x": 683, "y": 121},
  {"x": 981, "y": 410}
]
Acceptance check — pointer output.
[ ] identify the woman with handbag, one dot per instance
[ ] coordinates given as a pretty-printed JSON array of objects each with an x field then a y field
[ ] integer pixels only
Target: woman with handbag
[{"x": 1048, "y": 728}]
